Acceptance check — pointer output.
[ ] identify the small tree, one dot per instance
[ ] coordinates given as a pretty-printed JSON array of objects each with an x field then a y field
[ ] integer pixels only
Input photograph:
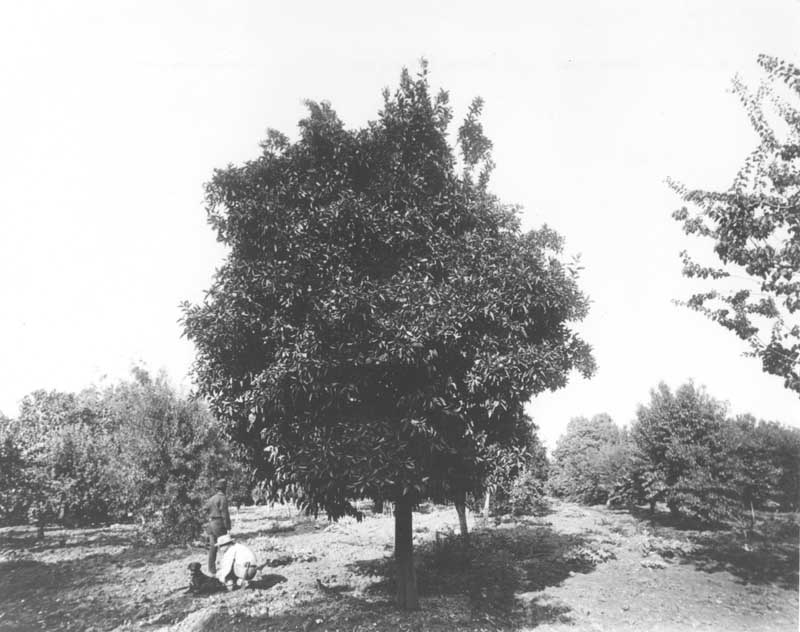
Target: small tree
[
  {"x": 14, "y": 488},
  {"x": 379, "y": 312},
  {"x": 755, "y": 229},
  {"x": 680, "y": 453},
  {"x": 588, "y": 460},
  {"x": 61, "y": 467},
  {"x": 517, "y": 473},
  {"x": 169, "y": 451},
  {"x": 764, "y": 461}
]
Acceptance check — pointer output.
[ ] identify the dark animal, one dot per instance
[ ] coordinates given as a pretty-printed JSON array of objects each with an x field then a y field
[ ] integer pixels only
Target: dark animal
[{"x": 200, "y": 583}]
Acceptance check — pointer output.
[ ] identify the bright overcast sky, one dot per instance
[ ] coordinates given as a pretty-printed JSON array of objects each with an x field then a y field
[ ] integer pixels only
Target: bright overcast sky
[{"x": 114, "y": 114}]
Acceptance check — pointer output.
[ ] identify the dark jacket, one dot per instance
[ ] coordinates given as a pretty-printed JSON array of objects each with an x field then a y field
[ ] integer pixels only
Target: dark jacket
[{"x": 217, "y": 507}]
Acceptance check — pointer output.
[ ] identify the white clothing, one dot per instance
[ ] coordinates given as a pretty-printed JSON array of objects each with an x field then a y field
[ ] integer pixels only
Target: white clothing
[{"x": 236, "y": 559}]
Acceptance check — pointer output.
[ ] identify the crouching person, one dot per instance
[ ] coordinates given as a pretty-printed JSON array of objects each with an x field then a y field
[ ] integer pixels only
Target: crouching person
[{"x": 238, "y": 565}]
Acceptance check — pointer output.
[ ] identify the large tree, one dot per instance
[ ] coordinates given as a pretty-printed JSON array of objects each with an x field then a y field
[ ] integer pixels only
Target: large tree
[
  {"x": 755, "y": 230},
  {"x": 380, "y": 316}
]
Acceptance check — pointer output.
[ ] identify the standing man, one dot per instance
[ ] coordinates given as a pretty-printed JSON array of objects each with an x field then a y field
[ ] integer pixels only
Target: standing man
[{"x": 219, "y": 522}]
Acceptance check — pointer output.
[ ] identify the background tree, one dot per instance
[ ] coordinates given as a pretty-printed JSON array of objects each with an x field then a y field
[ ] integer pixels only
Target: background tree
[
  {"x": 54, "y": 435},
  {"x": 14, "y": 490},
  {"x": 136, "y": 450},
  {"x": 588, "y": 459},
  {"x": 783, "y": 450},
  {"x": 764, "y": 462},
  {"x": 681, "y": 453},
  {"x": 168, "y": 453},
  {"x": 518, "y": 479},
  {"x": 755, "y": 229},
  {"x": 379, "y": 312}
]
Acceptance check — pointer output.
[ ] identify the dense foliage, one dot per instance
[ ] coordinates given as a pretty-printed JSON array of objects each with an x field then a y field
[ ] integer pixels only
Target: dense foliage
[
  {"x": 588, "y": 460},
  {"x": 136, "y": 450},
  {"x": 380, "y": 316},
  {"x": 755, "y": 230},
  {"x": 687, "y": 453},
  {"x": 517, "y": 475}
]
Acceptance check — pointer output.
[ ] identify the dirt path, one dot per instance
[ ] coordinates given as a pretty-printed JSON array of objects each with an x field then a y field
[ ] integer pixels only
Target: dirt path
[{"x": 577, "y": 568}]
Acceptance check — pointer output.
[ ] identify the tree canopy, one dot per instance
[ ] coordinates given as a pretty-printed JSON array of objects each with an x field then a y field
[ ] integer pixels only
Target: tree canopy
[
  {"x": 380, "y": 316},
  {"x": 587, "y": 460},
  {"x": 755, "y": 229},
  {"x": 136, "y": 449}
]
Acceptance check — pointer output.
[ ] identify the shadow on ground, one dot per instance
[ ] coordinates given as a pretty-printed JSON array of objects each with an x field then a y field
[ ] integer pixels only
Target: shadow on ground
[
  {"x": 299, "y": 526},
  {"x": 498, "y": 574},
  {"x": 494, "y": 584},
  {"x": 765, "y": 554},
  {"x": 71, "y": 593},
  {"x": 99, "y": 536},
  {"x": 767, "y": 562}
]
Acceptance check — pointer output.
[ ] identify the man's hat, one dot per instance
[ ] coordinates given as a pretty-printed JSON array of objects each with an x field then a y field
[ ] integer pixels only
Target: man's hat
[
  {"x": 224, "y": 539},
  {"x": 222, "y": 483}
]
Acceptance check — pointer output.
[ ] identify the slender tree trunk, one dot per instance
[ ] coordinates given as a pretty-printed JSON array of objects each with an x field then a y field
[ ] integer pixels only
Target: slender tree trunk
[
  {"x": 674, "y": 509},
  {"x": 486, "y": 504},
  {"x": 461, "y": 510},
  {"x": 40, "y": 530},
  {"x": 407, "y": 595},
  {"x": 377, "y": 506}
]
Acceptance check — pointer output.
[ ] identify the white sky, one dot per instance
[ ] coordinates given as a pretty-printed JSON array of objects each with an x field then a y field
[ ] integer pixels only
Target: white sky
[{"x": 113, "y": 115}]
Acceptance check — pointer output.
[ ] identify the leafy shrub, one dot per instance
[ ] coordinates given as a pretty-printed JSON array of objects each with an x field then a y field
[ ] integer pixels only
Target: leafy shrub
[{"x": 527, "y": 495}]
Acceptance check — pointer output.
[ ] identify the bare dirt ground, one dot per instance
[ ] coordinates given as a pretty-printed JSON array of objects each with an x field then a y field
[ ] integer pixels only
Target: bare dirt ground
[{"x": 576, "y": 568}]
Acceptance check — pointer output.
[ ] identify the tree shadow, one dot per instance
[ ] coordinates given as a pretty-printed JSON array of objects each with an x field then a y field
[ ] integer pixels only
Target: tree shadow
[
  {"x": 767, "y": 554},
  {"x": 25, "y": 538},
  {"x": 36, "y": 596},
  {"x": 299, "y": 526},
  {"x": 767, "y": 562},
  {"x": 667, "y": 520},
  {"x": 68, "y": 594},
  {"x": 500, "y": 573}
]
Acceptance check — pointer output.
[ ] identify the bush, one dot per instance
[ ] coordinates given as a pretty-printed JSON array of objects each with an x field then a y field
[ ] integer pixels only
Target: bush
[{"x": 527, "y": 495}]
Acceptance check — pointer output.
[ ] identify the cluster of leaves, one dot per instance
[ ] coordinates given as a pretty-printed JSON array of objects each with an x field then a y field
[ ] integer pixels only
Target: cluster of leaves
[
  {"x": 380, "y": 317},
  {"x": 527, "y": 495},
  {"x": 13, "y": 484},
  {"x": 687, "y": 453},
  {"x": 588, "y": 460},
  {"x": 516, "y": 475},
  {"x": 755, "y": 229},
  {"x": 136, "y": 449}
]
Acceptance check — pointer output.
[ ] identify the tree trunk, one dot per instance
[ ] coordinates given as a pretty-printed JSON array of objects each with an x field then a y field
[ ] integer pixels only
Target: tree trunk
[
  {"x": 377, "y": 506},
  {"x": 40, "y": 530},
  {"x": 486, "y": 504},
  {"x": 674, "y": 509},
  {"x": 461, "y": 510},
  {"x": 407, "y": 595}
]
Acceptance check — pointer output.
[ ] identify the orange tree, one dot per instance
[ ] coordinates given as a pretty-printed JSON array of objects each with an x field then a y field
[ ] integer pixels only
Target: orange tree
[{"x": 380, "y": 316}]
